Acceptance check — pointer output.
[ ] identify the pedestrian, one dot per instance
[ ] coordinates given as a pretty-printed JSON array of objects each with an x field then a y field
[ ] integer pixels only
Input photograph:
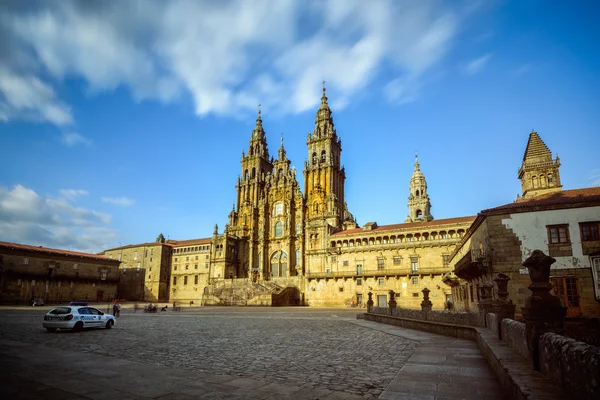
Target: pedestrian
[
  {"x": 118, "y": 309},
  {"x": 115, "y": 308}
]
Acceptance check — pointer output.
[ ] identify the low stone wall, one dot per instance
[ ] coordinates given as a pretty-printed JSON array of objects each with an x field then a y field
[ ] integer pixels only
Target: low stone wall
[
  {"x": 491, "y": 322},
  {"x": 513, "y": 334},
  {"x": 446, "y": 317},
  {"x": 453, "y": 330},
  {"x": 575, "y": 365},
  {"x": 454, "y": 317}
]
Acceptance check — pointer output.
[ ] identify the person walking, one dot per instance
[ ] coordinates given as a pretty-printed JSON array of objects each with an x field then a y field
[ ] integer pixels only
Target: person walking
[{"x": 115, "y": 308}]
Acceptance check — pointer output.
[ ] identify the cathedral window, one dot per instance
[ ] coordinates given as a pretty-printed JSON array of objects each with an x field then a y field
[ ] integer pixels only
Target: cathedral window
[
  {"x": 397, "y": 260},
  {"x": 314, "y": 158},
  {"x": 278, "y": 209},
  {"x": 323, "y": 156},
  {"x": 536, "y": 182},
  {"x": 380, "y": 264},
  {"x": 278, "y": 229},
  {"x": 381, "y": 281},
  {"x": 246, "y": 175},
  {"x": 185, "y": 280},
  {"x": 279, "y": 263},
  {"x": 195, "y": 279},
  {"x": 549, "y": 179},
  {"x": 417, "y": 193},
  {"x": 174, "y": 280},
  {"x": 299, "y": 231},
  {"x": 253, "y": 173},
  {"x": 297, "y": 257},
  {"x": 345, "y": 262}
]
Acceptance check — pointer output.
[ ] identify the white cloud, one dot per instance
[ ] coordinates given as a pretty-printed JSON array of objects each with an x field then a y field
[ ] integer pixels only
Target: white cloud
[
  {"x": 71, "y": 139},
  {"x": 26, "y": 217},
  {"x": 71, "y": 194},
  {"x": 228, "y": 56},
  {"x": 476, "y": 65},
  {"x": 120, "y": 201},
  {"x": 24, "y": 96},
  {"x": 594, "y": 177},
  {"x": 522, "y": 69}
]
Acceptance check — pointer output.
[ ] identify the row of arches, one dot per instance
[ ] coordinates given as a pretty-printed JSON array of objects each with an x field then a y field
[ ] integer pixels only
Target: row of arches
[
  {"x": 382, "y": 240},
  {"x": 541, "y": 181}
]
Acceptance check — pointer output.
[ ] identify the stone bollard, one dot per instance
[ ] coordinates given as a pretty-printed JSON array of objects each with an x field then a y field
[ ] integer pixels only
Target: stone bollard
[
  {"x": 392, "y": 302},
  {"x": 503, "y": 307},
  {"x": 542, "y": 312},
  {"x": 485, "y": 302},
  {"x": 369, "y": 302},
  {"x": 426, "y": 303}
]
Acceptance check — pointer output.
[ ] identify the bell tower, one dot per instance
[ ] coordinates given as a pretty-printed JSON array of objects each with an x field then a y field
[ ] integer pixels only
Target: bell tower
[
  {"x": 539, "y": 173},
  {"x": 323, "y": 176},
  {"x": 250, "y": 185},
  {"x": 418, "y": 201}
]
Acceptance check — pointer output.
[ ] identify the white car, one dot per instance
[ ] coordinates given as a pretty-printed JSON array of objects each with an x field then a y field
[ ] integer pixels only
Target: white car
[{"x": 77, "y": 318}]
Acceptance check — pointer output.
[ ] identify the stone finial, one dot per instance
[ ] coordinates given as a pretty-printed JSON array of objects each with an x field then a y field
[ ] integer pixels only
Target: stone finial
[
  {"x": 538, "y": 265},
  {"x": 502, "y": 285},
  {"x": 392, "y": 302},
  {"x": 216, "y": 231},
  {"x": 542, "y": 312},
  {"x": 160, "y": 238},
  {"x": 426, "y": 303},
  {"x": 370, "y": 301}
]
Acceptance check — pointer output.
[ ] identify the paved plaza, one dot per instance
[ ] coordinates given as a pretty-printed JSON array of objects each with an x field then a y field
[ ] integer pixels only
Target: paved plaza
[{"x": 237, "y": 353}]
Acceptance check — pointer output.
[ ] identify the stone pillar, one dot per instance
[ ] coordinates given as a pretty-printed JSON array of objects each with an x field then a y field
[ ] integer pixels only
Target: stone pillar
[
  {"x": 542, "y": 312},
  {"x": 426, "y": 303},
  {"x": 392, "y": 302},
  {"x": 503, "y": 307},
  {"x": 485, "y": 302},
  {"x": 369, "y": 302}
]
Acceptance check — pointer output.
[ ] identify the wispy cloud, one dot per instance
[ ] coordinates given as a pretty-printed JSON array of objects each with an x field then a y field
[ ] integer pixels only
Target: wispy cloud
[
  {"x": 71, "y": 139},
  {"x": 522, "y": 69},
  {"x": 475, "y": 66},
  {"x": 71, "y": 194},
  {"x": 594, "y": 177},
  {"x": 27, "y": 217},
  {"x": 25, "y": 96},
  {"x": 265, "y": 52},
  {"x": 120, "y": 201}
]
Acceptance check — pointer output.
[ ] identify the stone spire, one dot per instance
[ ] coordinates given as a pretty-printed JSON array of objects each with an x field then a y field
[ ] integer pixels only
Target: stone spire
[
  {"x": 418, "y": 201},
  {"x": 258, "y": 132},
  {"x": 324, "y": 122},
  {"x": 539, "y": 174},
  {"x": 281, "y": 152}
]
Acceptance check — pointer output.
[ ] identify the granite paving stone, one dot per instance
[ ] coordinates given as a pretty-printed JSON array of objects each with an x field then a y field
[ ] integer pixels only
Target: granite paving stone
[{"x": 232, "y": 353}]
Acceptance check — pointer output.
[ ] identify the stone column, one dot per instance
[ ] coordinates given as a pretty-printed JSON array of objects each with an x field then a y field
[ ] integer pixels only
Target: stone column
[
  {"x": 426, "y": 303},
  {"x": 485, "y": 302},
  {"x": 542, "y": 312},
  {"x": 503, "y": 307},
  {"x": 392, "y": 302},
  {"x": 369, "y": 302}
]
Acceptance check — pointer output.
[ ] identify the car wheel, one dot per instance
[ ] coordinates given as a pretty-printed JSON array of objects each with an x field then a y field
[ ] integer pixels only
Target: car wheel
[
  {"x": 78, "y": 326},
  {"x": 109, "y": 324},
  {"x": 51, "y": 329}
]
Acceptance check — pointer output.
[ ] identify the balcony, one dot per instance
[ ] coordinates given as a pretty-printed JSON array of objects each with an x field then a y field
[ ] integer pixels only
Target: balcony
[{"x": 379, "y": 272}]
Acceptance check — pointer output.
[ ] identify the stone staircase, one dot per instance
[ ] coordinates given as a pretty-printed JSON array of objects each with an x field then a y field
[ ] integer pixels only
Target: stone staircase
[{"x": 242, "y": 292}]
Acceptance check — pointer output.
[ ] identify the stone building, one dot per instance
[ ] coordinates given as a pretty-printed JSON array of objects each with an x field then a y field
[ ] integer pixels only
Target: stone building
[
  {"x": 563, "y": 224},
  {"x": 28, "y": 272},
  {"x": 145, "y": 270},
  {"x": 306, "y": 247}
]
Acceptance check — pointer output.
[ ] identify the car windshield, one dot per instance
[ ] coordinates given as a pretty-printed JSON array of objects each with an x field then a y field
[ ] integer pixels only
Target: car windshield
[{"x": 60, "y": 310}]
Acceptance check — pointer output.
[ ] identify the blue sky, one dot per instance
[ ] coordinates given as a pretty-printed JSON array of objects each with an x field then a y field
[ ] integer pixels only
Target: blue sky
[{"x": 122, "y": 120}]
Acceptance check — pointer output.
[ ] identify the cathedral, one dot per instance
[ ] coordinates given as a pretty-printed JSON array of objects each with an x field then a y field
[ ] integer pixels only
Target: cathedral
[{"x": 283, "y": 246}]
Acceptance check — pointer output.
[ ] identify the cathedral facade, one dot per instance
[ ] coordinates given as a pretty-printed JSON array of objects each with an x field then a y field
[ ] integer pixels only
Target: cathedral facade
[{"x": 280, "y": 240}]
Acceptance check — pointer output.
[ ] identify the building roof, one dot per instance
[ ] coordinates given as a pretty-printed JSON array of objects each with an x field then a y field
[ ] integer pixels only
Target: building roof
[
  {"x": 438, "y": 222},
  {"x": 131, "y": 246},
  {"x": 50, "y": 251},
  {"x": 564, "y": 199},
  {"x": 191, "y": 242},
  {"x": 536, "y": 150}
]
